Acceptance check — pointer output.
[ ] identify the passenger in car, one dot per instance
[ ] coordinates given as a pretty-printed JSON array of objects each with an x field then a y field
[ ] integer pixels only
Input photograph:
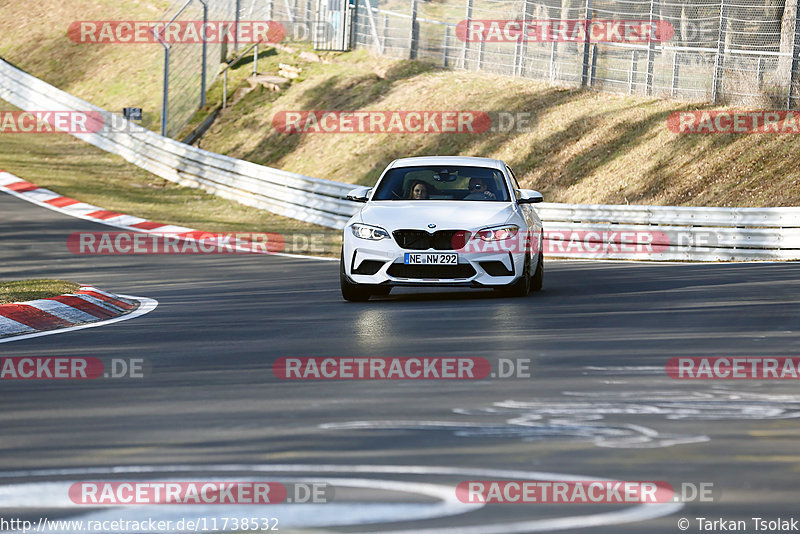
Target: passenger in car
[{"x": 419, "y": 191}]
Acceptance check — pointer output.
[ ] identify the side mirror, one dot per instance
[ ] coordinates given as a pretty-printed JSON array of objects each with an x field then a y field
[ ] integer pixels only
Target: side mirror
[
  {"x": 529, "y": 196},
  {"x": 360, "y": 194}
]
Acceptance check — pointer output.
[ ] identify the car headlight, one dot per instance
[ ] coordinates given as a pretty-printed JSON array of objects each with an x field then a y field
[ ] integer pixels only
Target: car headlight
[
  {"x": 373, "y": 233},
  {"x": 498, "y": 233}
]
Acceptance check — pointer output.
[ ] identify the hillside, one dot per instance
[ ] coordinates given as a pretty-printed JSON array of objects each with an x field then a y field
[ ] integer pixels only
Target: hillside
[{"x": 583, "y": 147}]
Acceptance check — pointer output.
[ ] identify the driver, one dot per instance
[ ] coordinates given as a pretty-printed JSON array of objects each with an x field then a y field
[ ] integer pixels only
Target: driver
[{"x": 478, "y": 190}]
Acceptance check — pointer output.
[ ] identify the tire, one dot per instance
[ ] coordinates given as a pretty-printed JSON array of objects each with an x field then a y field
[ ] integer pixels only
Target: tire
[
  {"x": 522, "y": 287},
  {"x": 380, "y": 291},
  {"x": 351, "y": 292},
  {"x": 538, "y": 275}
]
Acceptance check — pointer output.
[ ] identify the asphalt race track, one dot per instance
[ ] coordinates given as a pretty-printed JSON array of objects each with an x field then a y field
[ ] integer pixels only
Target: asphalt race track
[{"x": 598, "y": 405}]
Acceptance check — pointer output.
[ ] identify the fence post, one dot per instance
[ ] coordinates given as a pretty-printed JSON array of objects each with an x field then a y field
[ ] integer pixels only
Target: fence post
[
  {"x": 676, "y": 69},
  {"x": 594, "y": 65},
  {"x": 255, "y": 60},
  {"x": 586, "y": 44},
  {"x": 225, "y": 89},
  {"x": 632, "y": 72},
  {"x": 523, "y": 50},
  {"x": 446, "y": 45},
  {"x": 795, "y": 74},
  {"x": 760, "y": 76},
  {"x": 384, "y": 30},
  {"x": 205, "y": 58},
  {"x": 651, "y": 51},
  {"x": 720, "y": 57},
  {"x": 413, "y": 38},
  {"x": 373, "y": 27},
  {"x": 553, "y": 59},
  {"x": 236, "y": 28},
  {"x": 465, "y": 48},
  {"x": 480, "y": 53},
  {"x": 165, "y": 93}
]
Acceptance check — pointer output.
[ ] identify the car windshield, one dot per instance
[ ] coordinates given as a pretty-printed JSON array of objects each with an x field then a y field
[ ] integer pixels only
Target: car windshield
[{"x": 440, "y": 182}]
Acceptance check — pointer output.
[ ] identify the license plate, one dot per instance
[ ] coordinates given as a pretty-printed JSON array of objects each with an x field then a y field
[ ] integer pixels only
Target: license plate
[{"x": 431, "y": 259}]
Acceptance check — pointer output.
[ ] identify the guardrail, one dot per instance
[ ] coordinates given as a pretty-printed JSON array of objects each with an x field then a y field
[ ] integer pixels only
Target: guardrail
[{"x": 585, "y": 231}]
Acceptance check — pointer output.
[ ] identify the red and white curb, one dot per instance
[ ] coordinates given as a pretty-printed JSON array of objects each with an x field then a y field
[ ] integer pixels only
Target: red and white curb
[
  {"x": 25, "y": 190},
  {"x": 87, "y": 307}
]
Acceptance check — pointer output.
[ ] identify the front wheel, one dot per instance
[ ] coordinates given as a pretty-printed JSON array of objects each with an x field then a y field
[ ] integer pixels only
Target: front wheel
[
  {"x": 522, "y": 287},
  {"x": 351, "y": 292},
  {"x": 538, "y": 276}
]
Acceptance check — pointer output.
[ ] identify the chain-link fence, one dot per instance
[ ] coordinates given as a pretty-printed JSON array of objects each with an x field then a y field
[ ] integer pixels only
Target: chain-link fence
[
  {"x": 190, "y": 68},
  {"x": 736, "y": 51},
  {"x": 732, "y": 50}
]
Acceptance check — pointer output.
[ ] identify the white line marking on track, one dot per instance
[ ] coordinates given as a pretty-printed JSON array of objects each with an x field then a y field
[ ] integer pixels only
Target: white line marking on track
[{"x": 635, "y": 513}]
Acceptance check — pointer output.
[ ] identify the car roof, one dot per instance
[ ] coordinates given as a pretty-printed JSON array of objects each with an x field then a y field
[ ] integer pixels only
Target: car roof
[{"x": 448, "y": 160}]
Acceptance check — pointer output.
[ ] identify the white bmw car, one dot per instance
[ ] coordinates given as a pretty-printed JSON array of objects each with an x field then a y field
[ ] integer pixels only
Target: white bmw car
[{"x": 443, "y": 221}]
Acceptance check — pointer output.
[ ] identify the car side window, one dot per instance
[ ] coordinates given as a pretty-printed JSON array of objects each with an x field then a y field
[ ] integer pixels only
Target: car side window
[{"x": 515, "y": 182}]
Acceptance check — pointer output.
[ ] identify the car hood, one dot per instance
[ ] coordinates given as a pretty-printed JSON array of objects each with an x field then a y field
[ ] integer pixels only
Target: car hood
[{"x": 445, "y": 214}]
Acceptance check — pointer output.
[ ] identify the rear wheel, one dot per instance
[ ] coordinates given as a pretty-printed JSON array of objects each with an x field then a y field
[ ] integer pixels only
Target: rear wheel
[{"x": 351, "y": 292}]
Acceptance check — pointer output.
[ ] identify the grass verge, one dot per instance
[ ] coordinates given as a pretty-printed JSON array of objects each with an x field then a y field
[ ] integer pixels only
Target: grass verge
[{"x": 24, "y": 290}]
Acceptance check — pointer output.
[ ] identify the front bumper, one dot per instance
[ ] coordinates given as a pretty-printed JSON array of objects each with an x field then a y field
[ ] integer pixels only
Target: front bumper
[{"x": 382, "y": 263}]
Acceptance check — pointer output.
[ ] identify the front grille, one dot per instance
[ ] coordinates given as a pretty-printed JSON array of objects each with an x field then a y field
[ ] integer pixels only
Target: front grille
[
  {"x": 368, "y": 267},
  {"x": 495, "y": 268},
  {"x": 461, "y": 270},
  {"x": 422, "y": 240}
]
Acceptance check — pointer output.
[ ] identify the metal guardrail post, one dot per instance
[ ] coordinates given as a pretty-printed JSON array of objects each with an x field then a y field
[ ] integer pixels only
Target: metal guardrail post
[
  {"x": 413, "y": 38},
  {"x": 651, "y": 51},
  {"x": 719, "y": 59},
  {"x": 465, "y": 48},
  {"x": 587, "y": 44},
  {"x": 794, "y": 76}
]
